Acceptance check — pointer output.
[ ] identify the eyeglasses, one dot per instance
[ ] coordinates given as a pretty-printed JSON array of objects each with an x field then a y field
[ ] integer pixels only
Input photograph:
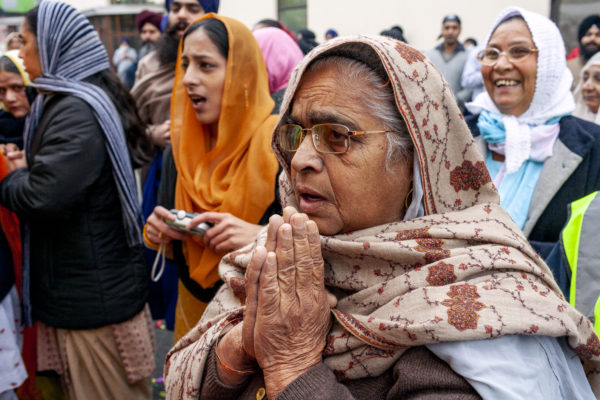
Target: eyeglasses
[
  {"x": 327, "y": 138},
  {"x": 515, "y": 54}
]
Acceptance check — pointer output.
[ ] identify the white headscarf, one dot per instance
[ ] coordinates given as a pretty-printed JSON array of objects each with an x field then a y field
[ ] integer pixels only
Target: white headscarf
[
  {"x": 552, "y": 97},
  {"x": 581, "y": 109}
]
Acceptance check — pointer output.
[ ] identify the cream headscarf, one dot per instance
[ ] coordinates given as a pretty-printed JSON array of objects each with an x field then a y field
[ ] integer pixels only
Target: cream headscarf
[
  {"x": 581, "y": 109},
  {"x": 464, "y": 271}
]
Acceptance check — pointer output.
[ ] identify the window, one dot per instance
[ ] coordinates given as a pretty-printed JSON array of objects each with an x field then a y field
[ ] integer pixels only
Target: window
[{"x": 293, "y": 14}]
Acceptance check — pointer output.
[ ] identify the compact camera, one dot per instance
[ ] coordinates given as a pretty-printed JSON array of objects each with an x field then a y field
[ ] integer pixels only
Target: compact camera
[{"x": 183, "y": 218}]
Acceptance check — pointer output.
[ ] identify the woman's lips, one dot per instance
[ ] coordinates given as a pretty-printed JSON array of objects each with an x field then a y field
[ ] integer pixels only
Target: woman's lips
[
  {"x": 310, "y": 200},
  {"x": 506, "y": 84},
  {"x": 198, "y": 102}
]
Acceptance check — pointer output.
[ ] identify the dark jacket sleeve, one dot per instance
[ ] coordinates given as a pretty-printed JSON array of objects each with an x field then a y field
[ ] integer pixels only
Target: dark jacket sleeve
[{"x": 69, "y": 158}]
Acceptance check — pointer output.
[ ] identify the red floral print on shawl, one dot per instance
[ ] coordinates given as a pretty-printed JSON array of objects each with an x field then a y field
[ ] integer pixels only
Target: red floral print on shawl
[{"x": 462, "y": 307}]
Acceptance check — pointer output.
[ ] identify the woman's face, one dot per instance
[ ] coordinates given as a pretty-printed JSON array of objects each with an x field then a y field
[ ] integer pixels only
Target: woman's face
[
  {"x": 204, "y": 77},
  {"x": 511, "y": 85},
  {"x": 12, "y": 94},
  {"x": 350, "y": 191},
  {"x": 590, "y": 87},
  {"x": 29, "y": 52}
]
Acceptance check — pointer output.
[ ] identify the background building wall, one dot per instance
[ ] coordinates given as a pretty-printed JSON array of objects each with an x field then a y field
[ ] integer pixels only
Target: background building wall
[
  {"x": 249, "y": 12},
  {"x": 420, "y": 20}
]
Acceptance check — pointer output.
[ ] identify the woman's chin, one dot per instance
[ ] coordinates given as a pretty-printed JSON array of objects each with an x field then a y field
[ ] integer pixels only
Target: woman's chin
[
  {"x": 18, "y": 113},
  {"x": 326, "y": 226},
  {"x": 593, "y": 106}
]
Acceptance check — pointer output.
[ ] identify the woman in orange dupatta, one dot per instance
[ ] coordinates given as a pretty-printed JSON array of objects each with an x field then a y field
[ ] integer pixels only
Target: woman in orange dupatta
[{"x": 221, "y": 125}]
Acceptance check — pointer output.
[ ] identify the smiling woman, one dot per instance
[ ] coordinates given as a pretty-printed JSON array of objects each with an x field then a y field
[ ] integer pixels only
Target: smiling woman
[
  {"x": 364, "y": 288},
  {"x": 540, "y": 157}
]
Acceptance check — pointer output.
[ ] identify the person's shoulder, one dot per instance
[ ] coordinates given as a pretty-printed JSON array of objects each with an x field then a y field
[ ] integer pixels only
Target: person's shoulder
[
  {"x": 61, "y": 102},
  {"x": 471, "y": 120},
  {"x": 65, "y": 111},
  {"x": 579, "y": 135},
  {"x": 149, "y": 61},
  {"x": 146, "y": 65},
  {"x": 576, "y": 62},
  {"x": 433, "y": 51}
]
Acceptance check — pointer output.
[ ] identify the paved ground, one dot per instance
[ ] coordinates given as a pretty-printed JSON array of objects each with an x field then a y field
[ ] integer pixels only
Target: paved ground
[{"x": 164, "y": 341}]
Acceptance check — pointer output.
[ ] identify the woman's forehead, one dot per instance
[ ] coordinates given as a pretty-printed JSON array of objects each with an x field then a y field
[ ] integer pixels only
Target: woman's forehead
[
  {"x": 323, "y": 93},
  {"x": 513, "y": 31},
  {"x": 7, "y": 76}
]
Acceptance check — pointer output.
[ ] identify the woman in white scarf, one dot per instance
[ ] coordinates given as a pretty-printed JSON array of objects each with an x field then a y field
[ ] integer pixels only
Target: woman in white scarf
[
  {"x": 539, "y": 156},
  {"x": 587, "y": 93}
]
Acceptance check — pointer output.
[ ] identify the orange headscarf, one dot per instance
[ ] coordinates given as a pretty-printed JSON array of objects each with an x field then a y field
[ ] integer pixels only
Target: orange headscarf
[{"x": 238, "y": 175}]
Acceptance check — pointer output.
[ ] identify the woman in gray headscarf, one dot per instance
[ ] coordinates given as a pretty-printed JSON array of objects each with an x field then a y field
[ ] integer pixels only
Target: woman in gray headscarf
[{"x": 84, "y": 276}]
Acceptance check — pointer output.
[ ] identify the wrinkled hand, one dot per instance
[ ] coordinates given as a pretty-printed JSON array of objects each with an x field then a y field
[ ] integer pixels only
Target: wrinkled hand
[
  {"x": 160, "y": 135},
  {"x": 287, "y": 301},
  {"x": 157, "y": 229},
  {"x": 15, "y": 157},
  {"x": 228, "y": 233}
]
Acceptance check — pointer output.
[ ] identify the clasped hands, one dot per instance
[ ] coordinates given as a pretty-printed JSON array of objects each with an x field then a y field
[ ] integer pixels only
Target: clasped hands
[{"x": 287, "y": 313}]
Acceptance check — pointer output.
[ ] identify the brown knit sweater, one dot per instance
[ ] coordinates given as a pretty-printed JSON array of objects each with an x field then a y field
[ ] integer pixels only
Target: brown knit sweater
[{"x": 418, "y": 374}]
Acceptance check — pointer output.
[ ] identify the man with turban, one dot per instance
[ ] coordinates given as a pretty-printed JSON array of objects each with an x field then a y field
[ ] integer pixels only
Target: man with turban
[
  {"x": 148, "y": 24},
  {"x": 588, "y": 37}
]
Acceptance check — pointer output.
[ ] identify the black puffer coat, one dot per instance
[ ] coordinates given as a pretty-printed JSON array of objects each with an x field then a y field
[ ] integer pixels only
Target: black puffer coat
[{"x": 83, "y": 274}]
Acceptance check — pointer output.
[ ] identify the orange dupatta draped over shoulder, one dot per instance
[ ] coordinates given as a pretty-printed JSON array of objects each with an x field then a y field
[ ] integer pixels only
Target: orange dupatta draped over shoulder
[{"x": 238, "y": 175}]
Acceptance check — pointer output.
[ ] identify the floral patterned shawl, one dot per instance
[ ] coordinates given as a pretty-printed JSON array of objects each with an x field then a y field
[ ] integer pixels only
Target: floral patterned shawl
[{"x": 464, "y": 271}]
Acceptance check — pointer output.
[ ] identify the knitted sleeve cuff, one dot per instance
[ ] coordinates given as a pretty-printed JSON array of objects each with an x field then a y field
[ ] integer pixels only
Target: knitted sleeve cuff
[
  {"x": 317, "y": 383},
  {"x": 213, "y": 387}
]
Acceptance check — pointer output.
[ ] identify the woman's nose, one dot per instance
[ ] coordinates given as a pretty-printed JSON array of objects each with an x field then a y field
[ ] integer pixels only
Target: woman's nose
[
  {"x": 306, "y": 157},
  {"x": 587, "y": 84},
  {"x": 503, "y": 63},
  {"x": 9, "y": 96},
  {"x": 190, "y": 77}
]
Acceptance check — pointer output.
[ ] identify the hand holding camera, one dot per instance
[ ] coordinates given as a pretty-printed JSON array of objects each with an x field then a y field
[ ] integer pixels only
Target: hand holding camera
[{"x": 182, "y": 220}]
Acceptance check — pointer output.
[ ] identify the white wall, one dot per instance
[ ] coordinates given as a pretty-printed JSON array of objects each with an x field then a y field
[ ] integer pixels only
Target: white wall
[
  {"x": 249, "y": 11},
  {"x": 420, "y": 20}
]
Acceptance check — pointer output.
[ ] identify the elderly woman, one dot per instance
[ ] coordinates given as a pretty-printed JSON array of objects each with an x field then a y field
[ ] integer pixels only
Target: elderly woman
[
  {"x": 540, "y": 158},
  {"x": 587, "y": 93},
  {"x": 398, "y": 260}
]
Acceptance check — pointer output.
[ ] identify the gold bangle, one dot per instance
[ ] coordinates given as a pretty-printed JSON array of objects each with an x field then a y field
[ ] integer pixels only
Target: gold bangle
[{"x": 246, "y": 372}]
